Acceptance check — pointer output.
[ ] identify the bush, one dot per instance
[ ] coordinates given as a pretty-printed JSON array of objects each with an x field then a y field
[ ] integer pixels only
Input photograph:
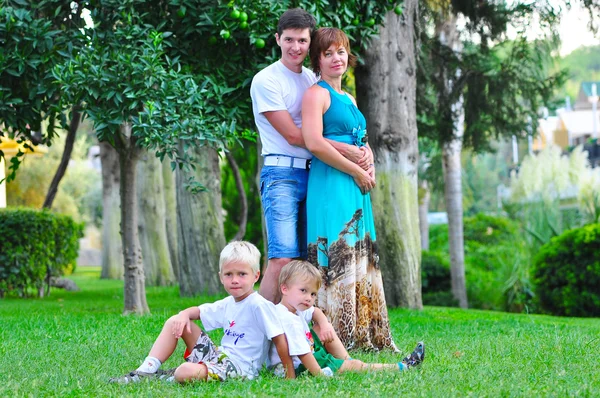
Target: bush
[
  {"x": 489, "y": 230},
  {"x": 496, "y": 263},
  {"x": 435, "y": 278},
  {"x": 35, "y": 246},
  {"x": 567, "y": 273}
]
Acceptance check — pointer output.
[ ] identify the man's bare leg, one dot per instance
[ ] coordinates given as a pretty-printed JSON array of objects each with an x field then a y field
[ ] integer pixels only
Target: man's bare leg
[{"x": 269, "y": 286}]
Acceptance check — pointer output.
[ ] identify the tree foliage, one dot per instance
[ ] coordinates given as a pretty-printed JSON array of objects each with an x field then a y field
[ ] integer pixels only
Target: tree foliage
[
  {"x": 504, "y": 82},
  {"x": 567, "y": 273},
  {"x": 35, "y": 36}
]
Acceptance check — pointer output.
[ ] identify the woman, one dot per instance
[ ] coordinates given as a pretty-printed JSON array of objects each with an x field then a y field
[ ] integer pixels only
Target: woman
[{"x": 341, "y": 232}]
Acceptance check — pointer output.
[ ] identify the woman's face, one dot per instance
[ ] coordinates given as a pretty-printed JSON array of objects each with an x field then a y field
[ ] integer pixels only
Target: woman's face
[{"x": 334, "y": 61}]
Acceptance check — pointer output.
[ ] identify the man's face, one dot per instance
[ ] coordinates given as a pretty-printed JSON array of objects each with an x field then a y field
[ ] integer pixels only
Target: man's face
[{"x": 294, "y": 45}]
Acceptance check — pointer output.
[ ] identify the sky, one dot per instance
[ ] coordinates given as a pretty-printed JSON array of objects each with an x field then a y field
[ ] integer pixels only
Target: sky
[{"x": 574, "y": 31}]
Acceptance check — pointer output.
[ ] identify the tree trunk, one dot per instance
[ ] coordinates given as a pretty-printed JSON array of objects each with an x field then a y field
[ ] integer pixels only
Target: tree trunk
[
  {"x": 112, "y": 250},
  {"x": 152, "y": 225},
  {"x": 386, "y": 92},
  {"x": 134, "y": 287},
  {"x": 200, "y": 226},
  {"x": 451, "y": 150},
  {"x": 453, "y": 196},
  {"x": 259, "y": 165},
  {"x": 239, "y": 184},
  {"x": 170, "y": 195},
  {"x": 424, "y": 198},
  {"x": 66, "y": 157}
]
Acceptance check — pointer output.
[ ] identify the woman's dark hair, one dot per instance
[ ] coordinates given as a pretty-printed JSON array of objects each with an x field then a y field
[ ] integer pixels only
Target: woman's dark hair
[
  {"x": 296, "y": 18},
  {"x": 322, "y": 39}
]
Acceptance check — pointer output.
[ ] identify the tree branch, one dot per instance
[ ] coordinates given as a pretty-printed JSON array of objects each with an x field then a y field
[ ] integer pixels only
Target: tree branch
[{"x": 66, "y": 156}]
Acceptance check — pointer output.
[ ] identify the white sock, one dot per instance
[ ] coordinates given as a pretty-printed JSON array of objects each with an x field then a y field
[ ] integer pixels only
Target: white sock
[{"x": 150, "y": 365}]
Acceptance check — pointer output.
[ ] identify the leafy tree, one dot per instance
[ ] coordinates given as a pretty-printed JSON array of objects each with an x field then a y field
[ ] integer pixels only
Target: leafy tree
[
  {"x": 478, "y": 87},
  {"x": 35, "y": 36}
]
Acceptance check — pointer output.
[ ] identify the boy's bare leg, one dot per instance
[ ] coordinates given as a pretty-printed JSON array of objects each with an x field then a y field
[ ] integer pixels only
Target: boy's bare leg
[
  {"x": 165, "y": 343},
  {"x": 191, "y": 371},
  {"x": 334, "y": 347}
]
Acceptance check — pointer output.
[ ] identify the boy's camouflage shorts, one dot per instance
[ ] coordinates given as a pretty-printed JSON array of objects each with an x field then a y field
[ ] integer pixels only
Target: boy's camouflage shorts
[{"x": 220, "y": 367}]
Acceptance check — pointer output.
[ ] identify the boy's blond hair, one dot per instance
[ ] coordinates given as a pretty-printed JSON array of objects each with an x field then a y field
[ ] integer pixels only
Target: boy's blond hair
[
  {"x": 242, "y": 252},
  {"x": 298, "y": 270}
]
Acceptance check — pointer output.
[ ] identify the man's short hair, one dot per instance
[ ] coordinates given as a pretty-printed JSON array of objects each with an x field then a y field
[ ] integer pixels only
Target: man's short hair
[
  {"x": 296, "y": 18},
  {"x": 321, "y": 40},
  {"x": 299, "y": 271},
  {"x": 241, "y": 252}
]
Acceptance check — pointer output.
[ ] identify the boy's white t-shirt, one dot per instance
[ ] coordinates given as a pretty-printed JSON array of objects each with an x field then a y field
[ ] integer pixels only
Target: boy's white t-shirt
[
  {"x": 297, "y": 332},
  {"x": 247, "y": 325},
  {"x": 276, "y": 88}
]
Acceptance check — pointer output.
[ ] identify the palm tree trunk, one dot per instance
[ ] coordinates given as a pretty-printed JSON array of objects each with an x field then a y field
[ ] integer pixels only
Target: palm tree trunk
[
  {"x": 424, "y": 198},
  {"x": 451, "y": 150},
  {"x": 200, "y": 226},
  {"x": 170, "y": 195},
  {"x": 112, "y": 249},
  {"x": 386, "y": 93},
  {"x": 152, "y": 225}
]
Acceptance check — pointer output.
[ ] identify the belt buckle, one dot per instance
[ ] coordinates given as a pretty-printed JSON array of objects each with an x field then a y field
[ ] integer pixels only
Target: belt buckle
[{"x": 308, "y": 164}]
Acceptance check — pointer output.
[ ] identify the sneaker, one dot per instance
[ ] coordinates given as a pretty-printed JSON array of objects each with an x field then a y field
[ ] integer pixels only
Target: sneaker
[
  {"x": 133, "y": 377},
  {"x": 166, "y": 375},
  {"x": 416, "y": 357}
]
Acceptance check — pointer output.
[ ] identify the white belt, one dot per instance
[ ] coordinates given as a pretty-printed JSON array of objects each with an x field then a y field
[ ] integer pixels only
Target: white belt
[{"x": 287, "y": 161}]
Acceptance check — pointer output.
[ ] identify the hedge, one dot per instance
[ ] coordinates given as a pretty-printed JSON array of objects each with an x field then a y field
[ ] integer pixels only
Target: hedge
[
  {"x": 34, "y": 246},
  {"x": 567, "y": 273}
]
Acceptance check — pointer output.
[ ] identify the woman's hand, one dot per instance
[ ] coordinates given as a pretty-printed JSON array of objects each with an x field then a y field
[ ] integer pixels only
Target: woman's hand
[
  {"x": 364, "y": 180},
  {"x": 371, "y": 171}
]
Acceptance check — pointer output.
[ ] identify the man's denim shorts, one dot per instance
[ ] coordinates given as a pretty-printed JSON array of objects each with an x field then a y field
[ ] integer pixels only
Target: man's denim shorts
[{"x": 283, "y": 195}]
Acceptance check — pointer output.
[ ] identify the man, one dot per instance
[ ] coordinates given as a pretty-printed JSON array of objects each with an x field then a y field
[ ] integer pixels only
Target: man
[{"x": 276, "y": 93}]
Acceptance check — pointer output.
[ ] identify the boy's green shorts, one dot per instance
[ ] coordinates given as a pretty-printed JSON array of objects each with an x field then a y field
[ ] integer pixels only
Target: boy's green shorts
[{"x": 324, "y": 359}]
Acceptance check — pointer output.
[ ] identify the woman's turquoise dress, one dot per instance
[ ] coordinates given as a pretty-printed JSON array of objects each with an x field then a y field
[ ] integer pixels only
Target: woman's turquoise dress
[{"x": 342, "y": 240}]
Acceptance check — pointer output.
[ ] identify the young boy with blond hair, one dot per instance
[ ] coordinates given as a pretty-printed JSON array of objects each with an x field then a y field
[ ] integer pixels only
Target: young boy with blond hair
[
  {"x": 247, "y": 319},
  {"x": 299, "y": 282}
]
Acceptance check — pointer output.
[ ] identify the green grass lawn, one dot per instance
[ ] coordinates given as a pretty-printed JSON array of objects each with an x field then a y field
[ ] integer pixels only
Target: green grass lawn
[{"x": 71, "y": 343}]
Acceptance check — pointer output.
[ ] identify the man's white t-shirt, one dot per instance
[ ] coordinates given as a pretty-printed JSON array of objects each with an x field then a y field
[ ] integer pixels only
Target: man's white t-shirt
[
  {"x": 297, "y": 332},
  {"x": 276, "y": 88},
  {"x": 247, "y": 325}
]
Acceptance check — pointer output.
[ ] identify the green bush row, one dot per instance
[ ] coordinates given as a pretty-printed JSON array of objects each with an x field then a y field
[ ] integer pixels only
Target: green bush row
[{"x": 34, "y": 246}]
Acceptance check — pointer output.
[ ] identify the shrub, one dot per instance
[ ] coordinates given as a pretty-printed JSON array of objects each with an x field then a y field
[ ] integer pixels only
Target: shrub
[
  {"x": 496, "y": 263},
  {"x": 35, "y": 246},
  {"x": 435, "y": 278},
  {"x": 489, "y": 230},
  {"x": 567, "y": 273}
]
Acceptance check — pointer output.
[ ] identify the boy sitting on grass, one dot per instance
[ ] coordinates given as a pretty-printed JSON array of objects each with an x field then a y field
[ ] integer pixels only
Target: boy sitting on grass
[
  {"x": 299, "y": 282},
  {"x": 248, "y": 321}
]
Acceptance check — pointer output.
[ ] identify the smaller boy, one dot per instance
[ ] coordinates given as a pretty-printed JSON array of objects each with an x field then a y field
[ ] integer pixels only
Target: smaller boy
[
  {"x": 299, "y": 282},
  {"x": 248, "y": 321}
]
